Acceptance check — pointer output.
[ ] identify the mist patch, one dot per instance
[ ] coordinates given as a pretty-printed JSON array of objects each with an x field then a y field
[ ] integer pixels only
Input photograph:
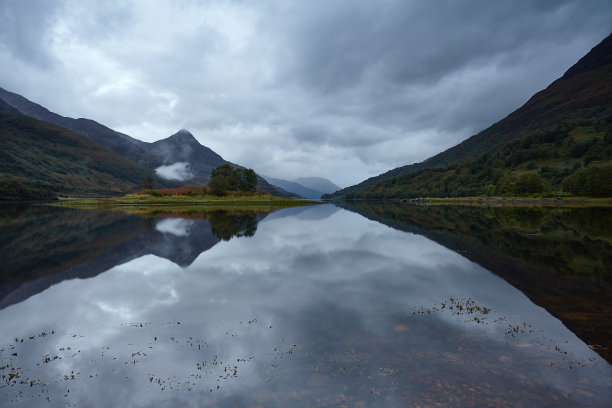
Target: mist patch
[{"x": 177, "y": 171}]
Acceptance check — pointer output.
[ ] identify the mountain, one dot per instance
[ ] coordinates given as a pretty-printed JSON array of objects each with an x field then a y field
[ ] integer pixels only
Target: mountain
[
  {"x": 179, "y": 158},
  {"x": 182, "y": 147},
  {"x": 294, "y": 187},
  {"x": 39, "y": 160},
  {"x": 6, "y": 108},
  {"x": 119, "y": 143},
  {"x": 318, "y": 184},
  {"x": 559, "y": 141}
]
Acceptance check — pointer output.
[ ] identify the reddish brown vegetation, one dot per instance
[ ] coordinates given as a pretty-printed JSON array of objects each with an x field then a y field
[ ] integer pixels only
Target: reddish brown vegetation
[{"x": 184, "y": 190}]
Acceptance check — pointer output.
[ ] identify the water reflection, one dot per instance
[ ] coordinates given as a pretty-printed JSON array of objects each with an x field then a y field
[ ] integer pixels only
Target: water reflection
[
  {"x": 227, "y": 227},
  {"x": 42, "y": 246},
  {"x": 322, "y": 308},
  {"x": 37, "y": 240},
  {"x": 560, "y": 258}
]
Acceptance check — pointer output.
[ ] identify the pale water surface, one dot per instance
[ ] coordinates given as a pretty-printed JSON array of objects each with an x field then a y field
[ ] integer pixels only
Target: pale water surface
[{"x": 317, "y": 307}]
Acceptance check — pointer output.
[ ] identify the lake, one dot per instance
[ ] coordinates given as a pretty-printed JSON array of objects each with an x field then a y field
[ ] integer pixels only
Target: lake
[{"x": 359, "y": 305}]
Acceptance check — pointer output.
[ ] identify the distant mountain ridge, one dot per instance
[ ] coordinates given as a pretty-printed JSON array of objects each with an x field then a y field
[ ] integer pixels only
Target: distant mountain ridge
[
  {"x": 318, "y": 184},
  {"x": 305, "y": 187},
  {"x": 294, "y": 187},
  {"x": 197, "y": 160},
  {"x": 560, "y": 138}
]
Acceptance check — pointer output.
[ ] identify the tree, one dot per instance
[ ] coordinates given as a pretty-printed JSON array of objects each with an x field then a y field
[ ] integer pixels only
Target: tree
[
  {"x": 219, "y": 182},
  {"x": 222, "y": 170},
  {"x": 225, "y": 178},
  {"x": 529, "y": 183},
  {"x": 219, "y": 185},
  {"x": 248, "y": 180},
  {"x": 595, "y": 181}
]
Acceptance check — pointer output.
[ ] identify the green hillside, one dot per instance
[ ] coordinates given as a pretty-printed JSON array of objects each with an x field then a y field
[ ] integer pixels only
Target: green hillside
[
  {"x": 559, "y": 142},
  {"x": 40, "y": 160}
]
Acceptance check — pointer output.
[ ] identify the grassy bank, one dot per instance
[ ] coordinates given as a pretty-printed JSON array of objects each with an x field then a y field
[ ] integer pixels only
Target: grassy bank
[
  {"x": 145, "y": 202},
  {"x": 515, "y": 201}
]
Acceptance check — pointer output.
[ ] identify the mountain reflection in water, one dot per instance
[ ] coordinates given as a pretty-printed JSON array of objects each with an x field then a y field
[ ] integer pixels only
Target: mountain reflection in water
[
  {"x": 319, "y": 307},
  {"x": 42, "y": 246},
  {"x": 561, "y": 258}
]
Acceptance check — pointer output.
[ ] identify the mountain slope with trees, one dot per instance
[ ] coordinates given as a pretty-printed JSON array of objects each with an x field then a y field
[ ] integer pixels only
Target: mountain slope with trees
[
  {"x": 558, "y": 142},
  {"x": 119, "y": 143},
  {"x": 39, "y": 160}
]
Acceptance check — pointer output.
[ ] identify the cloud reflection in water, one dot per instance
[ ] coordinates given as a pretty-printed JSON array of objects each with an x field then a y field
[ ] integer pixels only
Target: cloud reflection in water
[{"x": 330, "y": 312}]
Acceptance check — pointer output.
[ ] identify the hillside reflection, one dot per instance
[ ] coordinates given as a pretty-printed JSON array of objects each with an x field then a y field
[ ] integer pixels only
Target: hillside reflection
[
  {"x": 319, "y": 308},
  {"x": 42, "y": 245},
  {"x": 560, "y": 258}
]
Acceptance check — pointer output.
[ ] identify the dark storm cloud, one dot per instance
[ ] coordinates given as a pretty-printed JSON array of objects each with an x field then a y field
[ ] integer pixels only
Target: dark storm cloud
[
  {"x": 349, "y": 88},
  {"x": 336, "y": 45},
  {"x": 374, "y": 54}
]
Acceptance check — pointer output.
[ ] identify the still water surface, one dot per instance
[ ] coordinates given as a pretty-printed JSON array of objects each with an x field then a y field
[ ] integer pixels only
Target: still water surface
[{"x": 313, "y": 306}]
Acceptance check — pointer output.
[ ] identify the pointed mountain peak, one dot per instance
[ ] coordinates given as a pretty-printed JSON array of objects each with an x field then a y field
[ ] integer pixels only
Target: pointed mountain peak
[
  {"x": 184, "y": 132},
  {"x": 183, "y": 136}
]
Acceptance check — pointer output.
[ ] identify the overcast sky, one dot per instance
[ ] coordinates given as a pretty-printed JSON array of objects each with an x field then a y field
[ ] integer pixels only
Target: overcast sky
[{"x": 340, "y": 89}]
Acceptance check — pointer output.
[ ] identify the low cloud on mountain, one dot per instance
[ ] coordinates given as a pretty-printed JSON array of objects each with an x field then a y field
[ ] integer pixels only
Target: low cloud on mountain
[{"x": 177, "y": 171}]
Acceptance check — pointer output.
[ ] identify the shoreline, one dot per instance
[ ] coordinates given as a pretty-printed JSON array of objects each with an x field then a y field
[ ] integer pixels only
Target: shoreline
[
  {"x": 501, "y": 201},
  {"x": 192, "y": 202}
]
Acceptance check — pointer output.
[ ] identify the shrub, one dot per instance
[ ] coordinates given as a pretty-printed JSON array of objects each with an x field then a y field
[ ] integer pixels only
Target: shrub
[
  {"x": 595, "y": 181},
  {"x": 529, "y": 183}
]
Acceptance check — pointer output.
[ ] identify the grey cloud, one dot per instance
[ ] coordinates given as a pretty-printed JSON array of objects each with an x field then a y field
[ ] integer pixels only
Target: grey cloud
[
  {"x": 23, "y": 29},
  {"x": 98, "y": 21},
  {"x": 338, "y": 44},
  {"x": 337, "y": 133},
  {"x": 384, "y": 51}
]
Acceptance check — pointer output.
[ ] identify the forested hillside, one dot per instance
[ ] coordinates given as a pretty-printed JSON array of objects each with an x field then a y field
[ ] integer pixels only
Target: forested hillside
[
  {"x": 559, "y": 142},
  {"x": 39, "y": 160}
]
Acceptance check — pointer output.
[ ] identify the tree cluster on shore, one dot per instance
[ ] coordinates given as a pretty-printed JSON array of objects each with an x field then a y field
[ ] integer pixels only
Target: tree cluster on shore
[{"x": 225, "y": 178}]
